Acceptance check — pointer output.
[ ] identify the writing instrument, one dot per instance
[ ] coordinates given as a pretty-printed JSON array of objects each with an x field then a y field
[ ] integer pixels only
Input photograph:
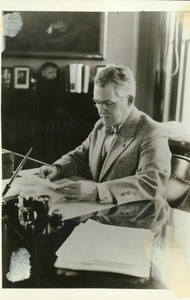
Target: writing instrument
[
  {"x": 30, "y": 158},
  {"x": 8, "y": 185}
]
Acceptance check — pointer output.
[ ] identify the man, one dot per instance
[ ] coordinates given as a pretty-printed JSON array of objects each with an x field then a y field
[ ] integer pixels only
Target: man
[{"x": 129, "y": 165}]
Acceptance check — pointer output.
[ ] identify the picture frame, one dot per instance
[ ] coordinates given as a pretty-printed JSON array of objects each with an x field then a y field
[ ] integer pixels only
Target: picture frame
[
  {"x": 21, "y": 77},
  {"x": 71, "y": 35},
  {"x": 99, "y": 68},
  {"x": 6, "y": 77}
]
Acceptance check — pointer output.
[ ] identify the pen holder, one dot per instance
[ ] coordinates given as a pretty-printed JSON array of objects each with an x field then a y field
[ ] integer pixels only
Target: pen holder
[
  {"x": 38, "y": 203},
  {"x": 41, "y": 205},
  {"x": 33, "y": 211},
  {"x": 26, "y": 216},
  {"x": 56, "y": 219}
]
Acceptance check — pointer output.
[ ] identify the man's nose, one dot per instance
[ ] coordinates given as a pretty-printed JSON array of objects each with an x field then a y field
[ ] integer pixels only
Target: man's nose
[{"x": 101, "y": 109}]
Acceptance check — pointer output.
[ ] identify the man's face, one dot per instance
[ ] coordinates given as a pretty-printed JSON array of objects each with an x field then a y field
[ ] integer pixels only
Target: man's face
[{"x": 112, "y": 108}]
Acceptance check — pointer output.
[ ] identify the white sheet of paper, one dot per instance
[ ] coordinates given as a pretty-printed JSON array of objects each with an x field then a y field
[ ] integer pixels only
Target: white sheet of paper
[
  {"x": 47, "y": 183},
  {"x": 91, "y": 247},
  {"x": 34, "y": 185},
  {"x": 31, "y": 184}
]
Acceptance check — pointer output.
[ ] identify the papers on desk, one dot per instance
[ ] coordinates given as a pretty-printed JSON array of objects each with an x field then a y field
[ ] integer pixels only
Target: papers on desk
[
  {"x": 48, "y": 183},
  {"x": 31, "y": 184},
  {"x": 97, "y": 247}
]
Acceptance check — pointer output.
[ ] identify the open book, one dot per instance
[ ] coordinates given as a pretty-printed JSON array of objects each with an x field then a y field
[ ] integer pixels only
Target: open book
[{"x": 97, "y": 247}]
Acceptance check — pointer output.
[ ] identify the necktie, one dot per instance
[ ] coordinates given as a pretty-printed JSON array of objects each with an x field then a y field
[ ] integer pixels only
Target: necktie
[{"x": 110, "y": 130}]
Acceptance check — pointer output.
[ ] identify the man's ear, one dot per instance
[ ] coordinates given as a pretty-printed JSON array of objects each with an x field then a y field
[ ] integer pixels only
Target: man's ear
[{"x": 130, "y": 100}]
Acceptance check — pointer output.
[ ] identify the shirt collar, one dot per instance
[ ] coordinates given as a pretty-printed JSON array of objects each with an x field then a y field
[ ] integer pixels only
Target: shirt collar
[{"x": 109, "y": 130}]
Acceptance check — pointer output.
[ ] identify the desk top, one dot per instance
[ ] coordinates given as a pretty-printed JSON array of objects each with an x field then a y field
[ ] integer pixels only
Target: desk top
[
  {"x": 29, "y": 184},
  {"x": 41, "y": 238}
]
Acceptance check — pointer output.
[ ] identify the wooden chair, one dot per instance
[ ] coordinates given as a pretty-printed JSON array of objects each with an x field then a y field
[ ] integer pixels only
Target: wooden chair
[{"x": 178, "y": 188}]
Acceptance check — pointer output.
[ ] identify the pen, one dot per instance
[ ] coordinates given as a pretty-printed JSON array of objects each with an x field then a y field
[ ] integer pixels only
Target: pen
[{"x": 8, "y": 185}]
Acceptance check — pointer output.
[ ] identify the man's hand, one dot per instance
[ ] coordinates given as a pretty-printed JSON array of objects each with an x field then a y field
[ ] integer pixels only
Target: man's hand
[
  {"x": 49, "y": 172},
  {"x": 80, "y": 190}
]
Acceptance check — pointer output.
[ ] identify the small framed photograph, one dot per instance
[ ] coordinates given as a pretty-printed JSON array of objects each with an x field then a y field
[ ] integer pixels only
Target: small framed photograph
[
  {"x": 21, "y": 77},
  {"x": 6, "y": 77},
  {"x": 99, "y": 68}
]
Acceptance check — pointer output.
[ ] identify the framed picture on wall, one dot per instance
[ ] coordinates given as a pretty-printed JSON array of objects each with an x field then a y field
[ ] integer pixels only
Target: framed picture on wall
[
  {"x": 21, "y": 77},
  {"x": 60, "y": 35},
  {"x": 6, "y": 77},
  {"x": 99, "y": 68}
]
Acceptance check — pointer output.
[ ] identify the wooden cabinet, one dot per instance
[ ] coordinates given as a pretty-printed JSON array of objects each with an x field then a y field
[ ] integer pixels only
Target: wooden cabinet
[{"x": 50, "y": 120}]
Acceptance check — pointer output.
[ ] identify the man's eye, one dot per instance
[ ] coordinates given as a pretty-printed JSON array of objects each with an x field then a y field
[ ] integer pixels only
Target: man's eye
[
  {"x": 105, "y": 104},
  {"x": 108, "y": 104}
]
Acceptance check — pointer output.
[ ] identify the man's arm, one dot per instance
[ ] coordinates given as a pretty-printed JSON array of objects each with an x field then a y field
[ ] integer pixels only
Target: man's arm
[
  {"x": 76, "y": 162},
  {"x": 73, "y": 163},
  {"x": 150, "y": 179}
]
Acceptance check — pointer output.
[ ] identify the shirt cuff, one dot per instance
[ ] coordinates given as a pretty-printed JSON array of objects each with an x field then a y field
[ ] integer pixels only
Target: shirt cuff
[
  {"x": 60, "y": 169},
  {"x": 104, "y": 196}
]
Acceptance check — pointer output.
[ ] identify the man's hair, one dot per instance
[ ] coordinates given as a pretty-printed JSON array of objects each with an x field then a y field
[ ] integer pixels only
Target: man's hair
[{"x": 119, "y": 76}]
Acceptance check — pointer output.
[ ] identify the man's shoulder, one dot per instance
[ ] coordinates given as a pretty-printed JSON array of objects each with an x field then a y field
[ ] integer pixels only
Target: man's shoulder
[
  {"x": 150, "y": 126},
  {"x": 98, "y": 125}
]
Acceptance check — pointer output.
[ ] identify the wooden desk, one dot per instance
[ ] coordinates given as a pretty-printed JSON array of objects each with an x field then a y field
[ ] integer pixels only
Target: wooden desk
[
  {"x": 42, "y": 242},
  {"x": 42, "y": 239}
]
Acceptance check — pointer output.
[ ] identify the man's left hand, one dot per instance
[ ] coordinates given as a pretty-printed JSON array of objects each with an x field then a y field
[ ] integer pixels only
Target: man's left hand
[{"x": 80, "y": 190}]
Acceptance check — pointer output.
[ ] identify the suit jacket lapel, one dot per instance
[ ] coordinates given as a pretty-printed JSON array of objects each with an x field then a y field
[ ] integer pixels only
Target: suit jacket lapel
[
  {"x": 97, "y": 154},
  {"x": 124, "y": 138}
]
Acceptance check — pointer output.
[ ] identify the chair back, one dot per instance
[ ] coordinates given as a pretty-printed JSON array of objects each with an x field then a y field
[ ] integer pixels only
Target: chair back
[{"x": 179, "y": 182}]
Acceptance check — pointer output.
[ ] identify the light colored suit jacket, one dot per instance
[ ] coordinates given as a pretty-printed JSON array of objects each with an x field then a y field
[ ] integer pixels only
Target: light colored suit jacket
[{"x": 137, "y": 166}]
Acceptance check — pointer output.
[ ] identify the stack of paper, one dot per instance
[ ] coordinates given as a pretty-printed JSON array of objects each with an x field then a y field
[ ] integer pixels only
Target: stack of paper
[
  {"x": 31, "y": 184},
  {"x": 97, "y": 247},
  {"x": 34, "y": 185}
]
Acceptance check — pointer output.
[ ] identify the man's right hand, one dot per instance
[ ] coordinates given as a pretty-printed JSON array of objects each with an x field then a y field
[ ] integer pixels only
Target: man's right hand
[{"x": 49, "y": 172}]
